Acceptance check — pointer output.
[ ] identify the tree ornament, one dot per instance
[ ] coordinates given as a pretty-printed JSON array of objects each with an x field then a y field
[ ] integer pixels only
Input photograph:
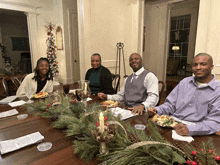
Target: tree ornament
[
  {"x": 48, "y": 104},
  {"x": 46, "y": 109}
]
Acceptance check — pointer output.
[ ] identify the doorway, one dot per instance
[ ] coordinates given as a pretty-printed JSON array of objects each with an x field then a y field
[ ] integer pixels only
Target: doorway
[
  {"x": 182, "y": 37},
  {"x": 15, "y": 41}
]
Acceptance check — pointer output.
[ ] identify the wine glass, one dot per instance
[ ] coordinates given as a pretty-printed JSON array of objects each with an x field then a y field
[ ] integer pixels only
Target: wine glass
[
  {"x": 29, "y": 92},
  {"x": 66, "y": 89}
]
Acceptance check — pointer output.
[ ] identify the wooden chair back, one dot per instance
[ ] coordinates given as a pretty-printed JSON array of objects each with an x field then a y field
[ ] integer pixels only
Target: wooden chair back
[
  {"x": 161, "y": 91},
  {"x": 116, "y": 81}
]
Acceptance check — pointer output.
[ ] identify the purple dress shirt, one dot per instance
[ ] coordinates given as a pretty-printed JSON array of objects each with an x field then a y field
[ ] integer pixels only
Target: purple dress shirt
[{"x": 200, "y": 105}]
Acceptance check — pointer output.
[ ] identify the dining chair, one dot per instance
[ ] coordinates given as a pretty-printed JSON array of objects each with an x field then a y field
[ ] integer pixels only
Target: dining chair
[
  {"x": 7, "y": 88},
  {"x": 115, "y": 82},
  {"x": 161, "y": 91}
]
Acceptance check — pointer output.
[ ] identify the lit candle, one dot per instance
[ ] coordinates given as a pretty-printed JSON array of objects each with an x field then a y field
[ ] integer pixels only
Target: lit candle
[
  {"x": 101, "y": 122},
  {"x": 85, "y": 88}
]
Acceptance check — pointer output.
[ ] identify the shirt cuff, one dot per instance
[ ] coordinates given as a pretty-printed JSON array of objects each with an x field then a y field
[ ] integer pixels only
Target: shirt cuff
[{"x": 158, "y": 111}]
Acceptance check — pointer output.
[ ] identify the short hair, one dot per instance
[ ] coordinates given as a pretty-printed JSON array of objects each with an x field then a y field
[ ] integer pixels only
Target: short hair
[
  {"x": 207, "y": 55},
  {"x": 137, "y": 54},
  {"x": 96, "y": 54}
]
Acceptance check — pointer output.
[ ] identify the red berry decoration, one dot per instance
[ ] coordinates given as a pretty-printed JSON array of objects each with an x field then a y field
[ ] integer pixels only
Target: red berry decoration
[
  {"x": 188, "y": 162},
  {"x": 105, "y": 118},
  {"x": 193, "y": 163},
  {"x": 105, "y": 124},
  {"x": 46, "y": 109},
  {"x": 194, "y": 152},
  {"x": 217, "y": 158},
  {"x": 48, "y": 104},
  {"x": 210, "y": 151}
]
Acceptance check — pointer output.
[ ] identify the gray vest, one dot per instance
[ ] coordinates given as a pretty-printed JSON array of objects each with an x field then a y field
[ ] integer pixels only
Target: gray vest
[{"x": 135, "y": 93}]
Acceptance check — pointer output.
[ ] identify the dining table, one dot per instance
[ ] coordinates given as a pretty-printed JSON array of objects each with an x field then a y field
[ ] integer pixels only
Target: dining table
[{"x": 62, "y": 151}]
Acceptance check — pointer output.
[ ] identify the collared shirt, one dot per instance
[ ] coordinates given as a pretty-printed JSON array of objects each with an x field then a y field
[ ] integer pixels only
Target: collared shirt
[
  {"x": 150, "y": 83},
  {"x": 200, "y": 105}
]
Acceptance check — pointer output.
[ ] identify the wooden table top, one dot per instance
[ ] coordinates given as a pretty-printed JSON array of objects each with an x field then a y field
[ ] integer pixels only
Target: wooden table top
[{"x": 61, "y": 152}]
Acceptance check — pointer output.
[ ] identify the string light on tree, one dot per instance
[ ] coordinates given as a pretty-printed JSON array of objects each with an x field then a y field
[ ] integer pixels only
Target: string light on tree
[{"x": 51, "y": 49}]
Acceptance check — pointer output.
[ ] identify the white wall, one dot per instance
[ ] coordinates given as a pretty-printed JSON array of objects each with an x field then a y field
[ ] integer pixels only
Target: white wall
[{"x": 102, "y": 24}]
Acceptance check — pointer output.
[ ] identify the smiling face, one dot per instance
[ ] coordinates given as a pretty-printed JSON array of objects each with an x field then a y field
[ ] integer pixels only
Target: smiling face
[
  {"x": 202, "y": 67},
  {"x": 43, "y": 68},
  {"x": 95, "y": 61},
  {"x": 135, "y": 61}
]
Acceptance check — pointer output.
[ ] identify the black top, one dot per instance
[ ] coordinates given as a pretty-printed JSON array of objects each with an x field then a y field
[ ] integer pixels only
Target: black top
[
  {"x": 41, "y": 84},
  {"x": 104, "y": 84}
]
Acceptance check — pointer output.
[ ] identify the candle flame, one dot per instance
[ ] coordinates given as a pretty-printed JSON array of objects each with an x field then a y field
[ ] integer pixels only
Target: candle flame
[{"x": 101, "y": 114}]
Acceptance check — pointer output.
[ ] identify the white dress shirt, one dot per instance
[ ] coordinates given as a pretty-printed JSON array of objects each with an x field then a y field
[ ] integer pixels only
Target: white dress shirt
[{"x": 150, "y": 83}]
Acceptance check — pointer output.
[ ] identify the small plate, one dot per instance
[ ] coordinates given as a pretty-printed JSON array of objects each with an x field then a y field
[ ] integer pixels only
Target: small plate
[
  {"x": 139, "y": 126},
  {"x": 44, "y": 146},
  {"x": 22, "y": 116}
]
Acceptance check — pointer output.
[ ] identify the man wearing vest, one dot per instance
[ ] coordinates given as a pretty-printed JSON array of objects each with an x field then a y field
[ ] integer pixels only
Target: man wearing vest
[{"x": 140, "y": 89}]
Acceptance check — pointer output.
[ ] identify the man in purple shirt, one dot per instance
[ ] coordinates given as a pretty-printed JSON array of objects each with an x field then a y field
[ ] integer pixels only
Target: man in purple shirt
[{"x": 195, "y": 99}]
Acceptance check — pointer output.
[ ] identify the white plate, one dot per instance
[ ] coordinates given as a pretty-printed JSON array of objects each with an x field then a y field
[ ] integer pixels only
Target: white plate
[
  {"x": 44, "y": 146},
  {"x": 139, "y": 126}
]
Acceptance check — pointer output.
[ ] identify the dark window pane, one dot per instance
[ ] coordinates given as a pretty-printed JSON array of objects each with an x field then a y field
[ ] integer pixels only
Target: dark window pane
[
  {"x": 185, "y": 50},
  {"x": 181, "y": 19},
  {"x": 173, "y": 23},
  {"x": 187, "y": 21}
]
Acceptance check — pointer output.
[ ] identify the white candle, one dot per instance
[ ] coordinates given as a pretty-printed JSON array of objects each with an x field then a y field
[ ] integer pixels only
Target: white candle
[
  {"x": 85, "y": 88},
  {"x": 101, "y": 122}
]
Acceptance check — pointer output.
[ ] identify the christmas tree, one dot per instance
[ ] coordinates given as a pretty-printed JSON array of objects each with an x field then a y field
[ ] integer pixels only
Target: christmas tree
[{"x": 51, "y": 49}]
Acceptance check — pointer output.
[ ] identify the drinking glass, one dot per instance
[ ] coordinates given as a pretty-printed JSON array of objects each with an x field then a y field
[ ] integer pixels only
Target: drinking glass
[
  {"x": 84, "y": 91},
  {"x": 66, "y": 89},
  {"x": 29, "y": 92}
]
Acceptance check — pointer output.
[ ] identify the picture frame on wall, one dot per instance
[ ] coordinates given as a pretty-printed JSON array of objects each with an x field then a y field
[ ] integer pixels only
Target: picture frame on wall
[
  {"x": 20, "y": 44},
  {"x": 59, "y": 38}
]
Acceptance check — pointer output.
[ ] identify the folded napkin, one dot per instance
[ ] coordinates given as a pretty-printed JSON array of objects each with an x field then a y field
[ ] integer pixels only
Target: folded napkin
[
  {"x": 8, "y": 99},
  {"x": 17, "y": 103},
  {"x": 125, "y": 114},
  {"x": 8, "y": 113},
  {"x": 176, "y": 136},
  {"x": 182, "y": 121},
  {"x": 15, "y": 144}
]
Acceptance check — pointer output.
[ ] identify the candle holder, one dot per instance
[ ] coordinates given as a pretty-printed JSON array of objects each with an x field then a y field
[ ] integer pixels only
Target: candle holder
[
  {"x": 84, "y": 91},
  {"x": 103, "y": 149},
  {"x": 104, "y": 138}
]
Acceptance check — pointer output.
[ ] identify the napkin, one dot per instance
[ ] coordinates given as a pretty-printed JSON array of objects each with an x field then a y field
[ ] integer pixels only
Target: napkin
[
  {"x": 15, "y": 144},
  {"x": 8, "y": 99},
  {"x": 72, "y": 91},
  {"x": 17, "y": 103},
  {"x": 125, "y": 114},
  {"x": 8, "y": 113},
  {"x": 176, "y": 136}
]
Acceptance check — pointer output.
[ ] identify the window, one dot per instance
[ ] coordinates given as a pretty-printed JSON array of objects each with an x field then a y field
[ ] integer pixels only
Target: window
[{"x": 179, "y": 38}]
